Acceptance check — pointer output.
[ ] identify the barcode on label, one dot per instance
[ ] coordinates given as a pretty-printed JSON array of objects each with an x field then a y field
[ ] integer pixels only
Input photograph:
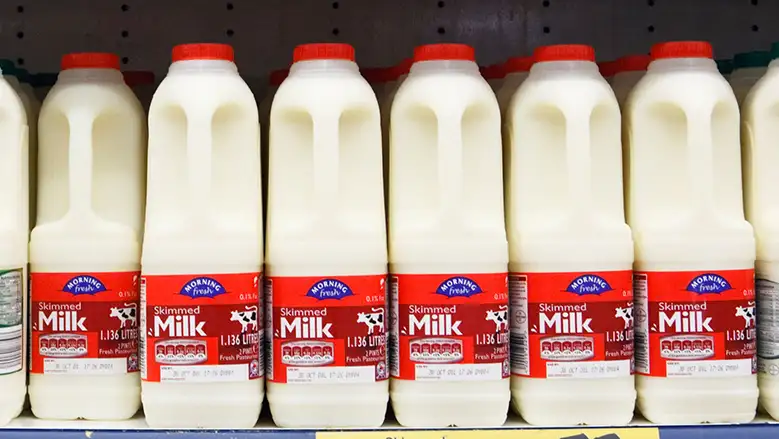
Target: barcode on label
[
  {"x": 268, "y": 295},
  {"x": 10, "y": 349},
  {"x": 394, "y": 338},
  {"x": 142, "y": 338},
  {"x": 641, "y": 357},
  {"x": 641, "y": 325},
  {"x": 520, "y": 364}
]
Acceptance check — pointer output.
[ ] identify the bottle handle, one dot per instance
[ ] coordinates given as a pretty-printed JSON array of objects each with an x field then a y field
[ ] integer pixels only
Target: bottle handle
[
  {"x": 80, "y": 144},
  {"x": 700, "y": 157},
  {"x": 578, "y": 152},
  {"x": 326, "y": 151},
  {"x": 199, "y": 154},
  {"x": 450, "y": 164}
]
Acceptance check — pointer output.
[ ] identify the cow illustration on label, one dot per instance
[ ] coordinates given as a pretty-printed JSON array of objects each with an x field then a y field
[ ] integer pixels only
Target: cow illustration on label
[
  {"x": 126, "y": 314},
  {"x": 247, "y": 318},
  {"x": 626, "y": 314},
  {"x": 373, "y": 319},
  {"x": 748, "y": 313},
  {"x": 500, "y": 318}
]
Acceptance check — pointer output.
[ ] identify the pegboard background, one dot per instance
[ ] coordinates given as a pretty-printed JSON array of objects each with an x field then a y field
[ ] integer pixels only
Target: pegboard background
[{"x": 35, "y": 33}]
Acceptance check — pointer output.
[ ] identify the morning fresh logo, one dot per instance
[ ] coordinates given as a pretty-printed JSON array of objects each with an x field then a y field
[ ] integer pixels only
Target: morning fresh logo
[
  {"x": 458, "y": 286},
  {"x": 709, "y": 283},
  {"x": 329, "y": 289},
  {"x": 84, "y": 285},
  {"x": 588, "y": 284},
  {"x": 202, "y": 287}
]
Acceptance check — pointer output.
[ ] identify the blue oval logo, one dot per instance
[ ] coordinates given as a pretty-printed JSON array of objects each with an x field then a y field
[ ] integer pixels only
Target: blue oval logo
[
  {"x": 84, "y": 284},
  {"x": 709, "y": 283},
  {"x": 329, "y": 289},
  {"x": 202, "y": 287},
  {"x": 587, "y": 284},
  {"x": 458, "y": 286}
]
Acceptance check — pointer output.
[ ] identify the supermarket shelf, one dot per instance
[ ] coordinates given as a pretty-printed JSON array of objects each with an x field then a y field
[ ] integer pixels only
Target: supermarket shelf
[{"x": 27, "y": 427}]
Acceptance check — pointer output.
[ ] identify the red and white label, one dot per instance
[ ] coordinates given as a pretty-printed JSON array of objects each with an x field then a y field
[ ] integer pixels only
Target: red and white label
[
  {"x": 326, "y": 329},
  {"x": 450, "y": 327},
  {"x": 695, "y": 323},
  {"x": 84, "y": 323},
  {"x": 572, "y": 325},
  {"x": 201, "y": 328}
]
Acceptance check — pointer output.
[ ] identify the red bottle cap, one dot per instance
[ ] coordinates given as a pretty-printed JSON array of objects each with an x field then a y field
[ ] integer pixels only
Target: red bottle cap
[
  {"x": 633, "y": 63},
  {"x": 518, "y": 64},
  {"x": 308, "y": 52},
  {"x": 203, "y": 51},
  {"x": 444, "y": 52},
  {"x": 564, "y": 52},
  {"x": 138, "y": 77},
  {"x": 277, "y": 77},
  {"x": 90, "y": 60},
  {"x": 682, "y": 49}
]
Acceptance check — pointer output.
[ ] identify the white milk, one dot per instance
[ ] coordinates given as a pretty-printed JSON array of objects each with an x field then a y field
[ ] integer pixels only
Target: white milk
[
  {"x": 202, "y": 250},
  {"x": 629, "y": 71},
  {"x": 448, "y": 248},
  {"x": 517, "y": 69},
  {"x": 85, "y": 247},
  {"x": 759, "y": 134},
  {"x": 326, "y": 254},
  {"x": 748, "y": 68},
  {"x": 396, "y": 78},
  {"x": 564, "y": 129},
  {"x": 143, "y": 84},
  {"x": 274, "y": 81},
  {"x": 695, "y": 252},
  {"x": 14, "y": 232}
]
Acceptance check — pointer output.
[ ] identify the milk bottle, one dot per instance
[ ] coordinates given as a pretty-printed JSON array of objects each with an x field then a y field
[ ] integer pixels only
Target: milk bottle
[
  {"x": 448, "y": 248},
  {"x": 760, "y": 160},
  {"x": 630, "y": 69},
  {"x": 13, "y": 253},
  {"x": 142, "y": 83},
  {"x": 274, "y": 81},
  {"x": 517, "y": 70},
  {"x": 326, "y": 256},
  {"x": 85, "y": 247},
  {"x": 564, "y": 133},
  {"x": 748, "y": 67},
  {"x": 202, "y": 249},
  {"x": 31, "y": 109},
  {"x": 725, "y": 67},
  {"x": 695, "y": 253},
  {"x": 397, "y": 77}
]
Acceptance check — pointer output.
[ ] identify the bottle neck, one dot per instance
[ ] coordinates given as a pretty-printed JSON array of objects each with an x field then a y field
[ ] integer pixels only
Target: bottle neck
[
  {"x": 683, "y": 64},
  {"x": 565, "y": 68},
  {"x": 441, "y": 66},
  {"x": 90, "y": 75},
  {"x": 203, "y": 66},
  {"x": 319, "y": 66}
]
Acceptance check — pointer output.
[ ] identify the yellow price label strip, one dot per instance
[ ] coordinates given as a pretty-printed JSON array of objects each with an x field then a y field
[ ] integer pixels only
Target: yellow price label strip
[{"x": 518, "y": 433}]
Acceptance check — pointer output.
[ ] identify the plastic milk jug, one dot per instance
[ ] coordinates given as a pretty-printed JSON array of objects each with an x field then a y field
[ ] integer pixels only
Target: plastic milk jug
[
  {"x": 274, "y": 81},
  {"x": 201, "y": 311},
  {"x": 517, "y": 69},
  {"x": 31, "y": 109},
  {"x": 13, "y": 253},
  {"x": 86, "y": 245},
  {"x": 695, "y": 347},
  {"x": 326, "y": 247},
  {"x": 758, "y": 134},
  {"x": 572, "y": 345},
  {"x": 448, "y": 248},
  {"x": 629, "y": 70},
  {"x": 143, "y": 84},
  {"x": 398, "y": 76},
  {"x": 748, "y": 67}
]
